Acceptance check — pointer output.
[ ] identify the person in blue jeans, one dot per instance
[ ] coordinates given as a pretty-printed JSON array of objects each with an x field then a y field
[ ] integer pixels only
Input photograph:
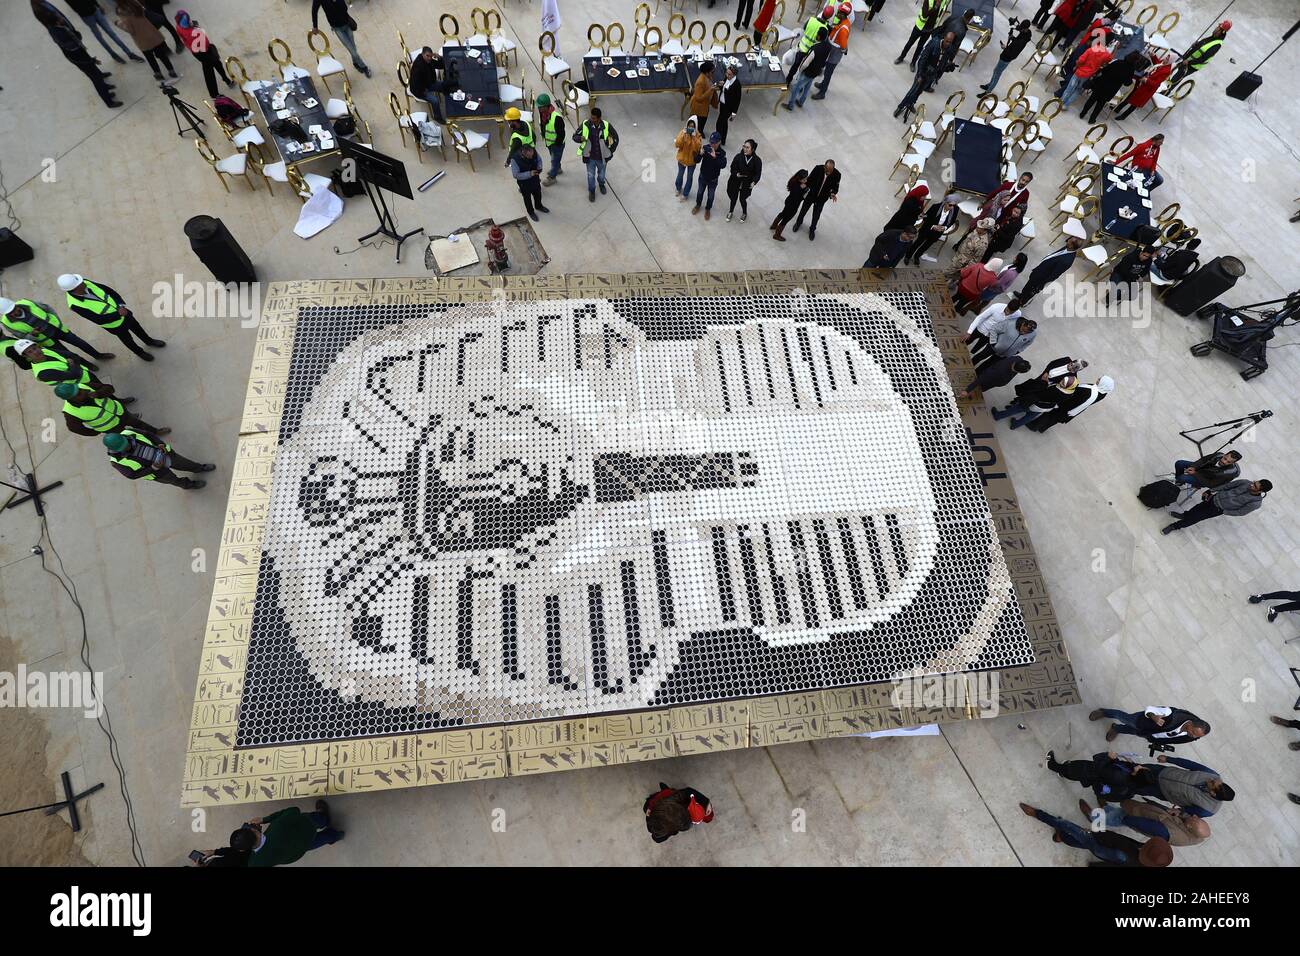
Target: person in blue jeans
[
  {"x": 1109, "y": 848},
  {"x": 688, "y": 146},
  {"x": 597, "y": 141},
  {"x": 1012, "y": 47},
  {"x": 712, "y": 163},
  {"x": 92, "y": 15},
  {"x": 813, "y": 65}
]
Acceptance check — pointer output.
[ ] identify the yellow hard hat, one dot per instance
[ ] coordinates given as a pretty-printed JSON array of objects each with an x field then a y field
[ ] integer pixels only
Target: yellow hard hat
[{"x": 512, "y": 114}]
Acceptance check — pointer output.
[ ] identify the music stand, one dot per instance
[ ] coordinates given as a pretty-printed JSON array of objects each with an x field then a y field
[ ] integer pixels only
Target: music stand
[{"x": 378, "y": 172}]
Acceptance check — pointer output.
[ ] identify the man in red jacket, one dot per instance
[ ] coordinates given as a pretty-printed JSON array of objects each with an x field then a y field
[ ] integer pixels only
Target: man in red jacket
[
  {"x": 1144, "y": 158},
  {"x": 1093, "y": 59}
]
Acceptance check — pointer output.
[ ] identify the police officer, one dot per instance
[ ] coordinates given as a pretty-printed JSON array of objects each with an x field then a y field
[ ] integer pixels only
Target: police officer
[
  {"x": 137, "y": 455},
  {"x": 90, "y": 414},
  {"x": 812, "y": 31},
  {"x": 26, "y": 319},
  {"x": 928, "y": 17},
  {"x": 106, "y": 308},
  {"x": 1200, "y": 53},
  {"x": 50, "y": 367},
  {"x": 551, "y": 121}
]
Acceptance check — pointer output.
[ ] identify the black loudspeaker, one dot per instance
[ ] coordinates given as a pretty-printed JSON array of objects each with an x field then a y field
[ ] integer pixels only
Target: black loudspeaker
[
  {"x": 1244, "y": 85},
  {"x": 218, "y": 250},
  {"x": 1205, "y": 284},
  {"x": 13, "y": 250}
]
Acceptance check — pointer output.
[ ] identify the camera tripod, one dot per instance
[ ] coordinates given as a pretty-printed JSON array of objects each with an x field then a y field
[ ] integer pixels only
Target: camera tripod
[
  {"x": 182, "y": 111},
  {"x": 1243, "y": 425}
]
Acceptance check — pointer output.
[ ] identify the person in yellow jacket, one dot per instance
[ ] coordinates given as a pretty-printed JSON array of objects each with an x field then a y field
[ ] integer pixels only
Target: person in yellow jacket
[
  {"x": 1200, "y": 53},
  {"x": 25, "y": 319},
  {"x": 689, "y": 144},
  {"x": 841, "y": 29},
  {"x": 812, "y": 31},
  {"x": 138, "y": 456},
  {"x": 105, "y": 307},
  {"x": 88, "y": 413},
  {"x": 929, "y": 15}
]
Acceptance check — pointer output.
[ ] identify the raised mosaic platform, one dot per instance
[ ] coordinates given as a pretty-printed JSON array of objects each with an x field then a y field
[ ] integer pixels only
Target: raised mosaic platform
[{"x": 485, "y": 527}]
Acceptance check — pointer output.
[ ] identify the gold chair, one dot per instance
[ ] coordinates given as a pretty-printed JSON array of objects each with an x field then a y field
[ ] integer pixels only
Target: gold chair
[
  {"x": 614, "y": 35},
  {"x": 1072, "y": 223},
  {"x": 742, "y": 38},
  {"x": 1146, "y": 15},
  {"x": 913, "y": 177},
  {"x": 283, "y": 58},
  {"x": 326, "y": 64},
  {"x": 466, "y": 141},
  {"x": 675, "y": 45},
  {"x": 769, "y": 40},
  {"x": 695, "y": 37},
  {"x": 1168, "y": 213},
  {"x": 986, "y": 107},
  {"x": 1159, "y": 101},
  {"x": 504, "y": 47},
  {"x": 356, "y": 113},
  {"x": 783, "y": 33},
  {"x": 1043, "y": 55},
  {"x": 407, "y": 120},
  {"x": 406, "y": 51},
  {"x": 1086, "y": 152},
  {"x": 982, "y": 38},
  {"x": 641, "y": 21},
  {"x": 721, "y": 34},
  {"x": 949, "y": 114},
  {"x": 1118, "y": 149},
  {"x": 235, "y": 70},
  {"x": 1103, "y": 261},
  {"x": 1125, "y": 7},
  {"x": 245, "y": 138},
  {"x": 652, "y": 40},
  {"x": 404, "y": 77},
  {"x": 270, "y": 172},
  {"x": 552, "y": 65},
  {"x": 1043, "y": 119},
  {"x": 596, "y": 40},
  {"x": 449, "y": 26},
  {"x": 1079, "y": 184},
  {"x": 1167, "y": 23},
  {"x": 1026, "y": 140},
  {"x": 574, "y": 99},
  {"x": 234, "y": 165}
]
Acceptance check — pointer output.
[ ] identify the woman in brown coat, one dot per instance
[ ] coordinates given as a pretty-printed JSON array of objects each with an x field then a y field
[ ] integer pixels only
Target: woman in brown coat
[
  {"x": 704, "y": 96},
  {"x": 131, "y": 17}
]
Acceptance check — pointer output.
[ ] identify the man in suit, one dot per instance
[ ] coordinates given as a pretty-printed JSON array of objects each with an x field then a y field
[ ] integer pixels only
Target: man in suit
[
  {"x": 889, "y": 247},
  {"x": 729, "y": 94},
  {"x": 1054, "y": 265},
  {"x": 1187, "y": 784},
  {"x": 1111, "y": 777},
  {"x": 1157, "y": 725},
  {"x": 823, "y": 185},
  {"x": 1208, "y": 471}
]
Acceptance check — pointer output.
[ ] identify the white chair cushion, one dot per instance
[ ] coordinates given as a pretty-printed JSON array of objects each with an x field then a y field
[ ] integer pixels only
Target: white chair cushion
[
  {"x": 1044, "y": 130},
  {"x": 526, "y": 115},
  {"x": 694, "y": 50},
  {"x": 672, "y": 47},
  {"x": 502, "y": 73},
  {"x": 922, "y": 147},
  {"x": 594, "y": 51},
  {"x": 1033, "y": 103},
  {"x": 926, "y": 130},
  {"x": 1029, "y": 230},
  {"x": 969, "y": 206},
  {"x": 478, "y": 39},
  {"x": 784, "y": 33},
  {"x": 1001, "y": 124},
  {"x": 914, "y": 161},
  {"x": 234, "y": 165},
  {"x": 1087, "y": 154},
  {"x": 245, "y": 136},
  {"x": 1001, "y": 108},
  {"x": 414, "y": 119},
  {"x": 554, "y": 66},
  {"x": 328, "y": 66},
  {"x": 946, "y": 120},
  {"x": 277, "y": 171},
  {"x": 336, "y": 109},
  {"x": 1074, "y": 228},
  {"x": 1158, "y": 41},
  {"x": 1162, "y": 102},
  {"x": 502, "y": 44},
  {"x": 717, "y": 50},
  {"x": 617, "y": 51},
  {"x": 583, "y": 97},
  {"x": 294, "y": 73},
  {"x": 967, "y": 45},
  {"x": 1010, "y": 171},
  {"x": 1096, "y": 254},
  {"x": 1037, "y": 146},
  {"x": 510, "y": 94},
  {"x": 473, "y": 140},
  {"x": 1069, "y": 204}
]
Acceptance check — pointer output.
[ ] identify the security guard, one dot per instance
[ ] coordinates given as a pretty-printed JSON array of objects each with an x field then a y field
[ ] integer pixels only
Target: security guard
[
  {"x": 1200, "y": 53},
  {"x": 26, "y": 319},
  {"x": 812, "y": 31},
  {"x": 87, "y": 413},
  {"x": 137, "y": 455},
  {"x": 50, "y": 367},
  {"x": 552, "y": 123},
  {"x": 928, "y": 17},
  {"x": 106, "y": 308}
]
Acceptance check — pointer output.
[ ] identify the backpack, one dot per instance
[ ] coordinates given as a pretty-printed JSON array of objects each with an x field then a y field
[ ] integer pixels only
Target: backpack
[
  {"x": 1158, "y": 494},
  {"x": 230, "y": 111}
]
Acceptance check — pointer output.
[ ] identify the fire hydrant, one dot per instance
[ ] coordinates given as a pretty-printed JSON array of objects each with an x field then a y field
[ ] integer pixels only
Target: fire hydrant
[{"x": 496, "y": 247}]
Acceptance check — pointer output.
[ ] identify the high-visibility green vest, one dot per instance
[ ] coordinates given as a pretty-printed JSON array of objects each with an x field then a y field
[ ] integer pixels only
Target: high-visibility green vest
[
  {"x": 23, "y": 328},
  {"x": 810, "y": 30},
  {"x": 130, "y": 464},
  {"x": 586, "y": 134},
  {"x": 1199, "y": 56},
  {"x": 51, "y": 361},
  {"x": 99, "y": 414},
  {"x": 101, "y": 304},
  {"x": 550, "y": 135},
  {"x": 522, "y": 139},
  {"x": 941, "y": 10}
]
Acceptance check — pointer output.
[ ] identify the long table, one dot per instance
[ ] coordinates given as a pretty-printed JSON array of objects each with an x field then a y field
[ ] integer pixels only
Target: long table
[
  {"x": 976, "y": 157},
  {"x": 298, "y": 93},
  {"x": 473, "y": 70},
  {"x": 662, "y": 74},
  {"x": 753, "y": 72},
  {"x": 1115, "y": 196}
]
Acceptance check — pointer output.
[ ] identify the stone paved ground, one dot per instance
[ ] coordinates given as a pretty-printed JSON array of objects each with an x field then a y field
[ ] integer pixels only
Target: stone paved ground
[{"x": 1161, "y": 620}]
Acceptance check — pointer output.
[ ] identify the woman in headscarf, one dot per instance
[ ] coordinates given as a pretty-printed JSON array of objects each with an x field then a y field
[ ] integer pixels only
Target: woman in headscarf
[
  {"x": 1146, "y": 88},
  {"x": 939, "y": 220},
  {"x": 205, "y": 51},
  {"x": 1004, "y": 234},
  {"x": 971, "y": 249},
  {"x": 1006, "y": 278},
  {"x": 795, "y": 191},
  {"x": 704, "y": 96},
  {"x": 910, "y": 211},
  {"x": 746, "y": 171},
  {"x": 971, "y": 283}
]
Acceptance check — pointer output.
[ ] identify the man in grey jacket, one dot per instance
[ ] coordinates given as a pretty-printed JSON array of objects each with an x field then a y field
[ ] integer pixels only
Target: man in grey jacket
[
  {"x": 526, "y": 167},
  {"x": 1194, "y": 787},
  {"x": 1236, "y": 498}
]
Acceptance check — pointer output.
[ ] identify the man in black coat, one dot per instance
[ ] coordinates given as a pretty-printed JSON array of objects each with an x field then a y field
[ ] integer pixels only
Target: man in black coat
[
  {"x": 823, "y": 185},
  {"x": 1082, "y": 397},
  {"x": 889, "y": 248},
  {"x": 1208, "y": 471},
  {"x": 997, "y": 374},
  {"x": 1111, "y": 777},
  {"x": 425, "y": 84},
  {"x": 341, "y": 22},
  {"x": 729, "y": 94},
  {"x": 1157, "y": 725},
  {"x": 1054, "y": 265},
  {"x": 929, "y": 67}
]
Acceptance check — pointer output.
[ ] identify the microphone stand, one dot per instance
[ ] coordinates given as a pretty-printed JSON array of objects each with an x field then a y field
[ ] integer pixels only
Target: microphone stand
[{"x": 1243, "y": 424}]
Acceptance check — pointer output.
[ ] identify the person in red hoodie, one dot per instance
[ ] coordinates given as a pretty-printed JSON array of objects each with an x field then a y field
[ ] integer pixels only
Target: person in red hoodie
[
  {"x": 1144, "y": 157},
  {"x": 1093, "y": 59},
  {"x": 763, "y": 20},
  {"x": 205, "y": 51},
  {"x": 1070, "y": 15},
  {"x": 669, "y": 811},
  {"x": 1145, "y": 89}
]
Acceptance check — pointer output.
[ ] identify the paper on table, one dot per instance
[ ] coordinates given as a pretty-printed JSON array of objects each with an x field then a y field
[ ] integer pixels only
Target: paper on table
[
  {"x": 283, "y": 114},
  {"x": 471, "y": 104}
]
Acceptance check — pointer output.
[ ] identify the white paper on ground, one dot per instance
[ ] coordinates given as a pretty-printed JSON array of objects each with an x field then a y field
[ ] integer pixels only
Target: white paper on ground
[
  {"x": 925, "y": 730},
  {"x": 318, "y": 212}
]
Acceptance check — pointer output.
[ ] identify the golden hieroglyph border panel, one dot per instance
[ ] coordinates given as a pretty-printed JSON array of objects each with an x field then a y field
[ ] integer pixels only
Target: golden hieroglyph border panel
[{"x": 216, "y": 773}]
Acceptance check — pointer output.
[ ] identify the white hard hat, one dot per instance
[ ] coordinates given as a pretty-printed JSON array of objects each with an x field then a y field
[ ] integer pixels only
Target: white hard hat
[
  {"x": 22, "y": 345},
  {"x": 6, "y": 306},
  {"x": 1105, "y": 384},
  {"x": 69, "y": 281}
]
